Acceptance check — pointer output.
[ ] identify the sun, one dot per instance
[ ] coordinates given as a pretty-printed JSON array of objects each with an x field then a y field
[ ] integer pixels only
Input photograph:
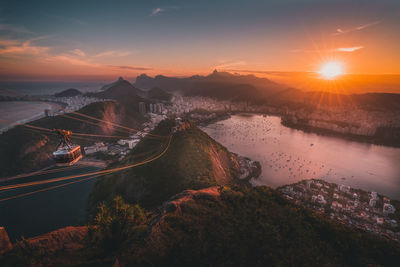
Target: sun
[{"x": 331, "y": 70}]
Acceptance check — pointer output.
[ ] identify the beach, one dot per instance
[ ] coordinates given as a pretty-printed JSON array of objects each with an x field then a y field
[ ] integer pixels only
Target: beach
[{"x": 15, "y": 112}]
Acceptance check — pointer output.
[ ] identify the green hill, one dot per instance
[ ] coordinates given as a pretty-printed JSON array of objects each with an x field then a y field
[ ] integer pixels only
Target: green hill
[{"x": 193, "y": 161}]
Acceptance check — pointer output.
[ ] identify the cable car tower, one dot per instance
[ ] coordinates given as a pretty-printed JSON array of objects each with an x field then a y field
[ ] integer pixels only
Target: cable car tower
[{"x": 66, "y": 153}]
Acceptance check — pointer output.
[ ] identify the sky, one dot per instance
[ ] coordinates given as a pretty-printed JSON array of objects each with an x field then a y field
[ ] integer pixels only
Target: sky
[{"x": 63, "y": 40}]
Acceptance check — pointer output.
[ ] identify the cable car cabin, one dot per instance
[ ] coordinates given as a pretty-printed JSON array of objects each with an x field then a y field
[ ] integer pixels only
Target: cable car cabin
[{"x": 67, "y": 155}]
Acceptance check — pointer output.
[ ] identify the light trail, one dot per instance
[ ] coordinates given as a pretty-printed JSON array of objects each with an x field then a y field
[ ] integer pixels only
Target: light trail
[
  {"x": 48, "y": 188},
  {"x": 108, "y": 171},
  {"x": 115, "y": 124},
  {"x": 68, "y": 168},
  {"x": 50, "y": 131},
  {"x": 93, "y": 123}
]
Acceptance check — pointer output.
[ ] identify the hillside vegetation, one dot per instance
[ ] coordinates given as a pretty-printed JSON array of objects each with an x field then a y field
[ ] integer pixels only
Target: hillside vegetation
[
  {"x": 193, "y": 161},
  {"x": 217, "y": 226}
]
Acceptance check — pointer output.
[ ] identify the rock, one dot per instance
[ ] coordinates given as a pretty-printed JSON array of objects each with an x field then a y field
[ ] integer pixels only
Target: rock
[
  {"x": 65, "y": 239},
  {"x": 211, "y": 193},
  {"x": 5, "y": 243}
]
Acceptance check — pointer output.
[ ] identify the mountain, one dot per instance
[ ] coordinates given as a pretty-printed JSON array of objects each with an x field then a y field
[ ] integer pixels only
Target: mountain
[
  {"x": 159, "y": 94},
  {"x": 193, "y": 161},
  {"x": 118, "y": 90},
  {"x": 220, "y": 85},
  {"x": 105, "y": 87},
  {"x": 68, "y": 93}
]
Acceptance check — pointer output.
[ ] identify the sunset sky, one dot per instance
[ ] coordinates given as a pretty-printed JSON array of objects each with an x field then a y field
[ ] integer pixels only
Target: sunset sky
[{"x": 45, "y": 40}]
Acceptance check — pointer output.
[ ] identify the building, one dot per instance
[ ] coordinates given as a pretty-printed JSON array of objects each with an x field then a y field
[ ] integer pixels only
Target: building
[
  {"x": 142, "y": 108},
  {"x": 344, "y": 188},
  {"x": 388, "y": 209},
  {"x": 372, "y": 202},
  {"x": 130, "y": 142},
  {"x": 97, "y": 147},
  {"x": 157, "y": 108}
]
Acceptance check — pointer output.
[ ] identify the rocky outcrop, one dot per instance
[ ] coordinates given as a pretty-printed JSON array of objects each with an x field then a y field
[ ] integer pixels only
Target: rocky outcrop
[
  {"x": 65, "y": 239},
  {"x": 174, "y": 203},
  {"x": 5, "y": 244}
]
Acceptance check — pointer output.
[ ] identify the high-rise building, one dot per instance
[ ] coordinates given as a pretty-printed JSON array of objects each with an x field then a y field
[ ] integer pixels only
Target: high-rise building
[{"x": 142, "y": 108}]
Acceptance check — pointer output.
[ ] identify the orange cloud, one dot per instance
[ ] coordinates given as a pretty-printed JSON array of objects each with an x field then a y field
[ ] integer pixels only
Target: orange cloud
[
  {"x": 78, "y": 52},
  {"x": 11, "y": 47},
  {"x": 113, "y": 53},
  {"x": 358, "y": 28},
  {"x": 348, "y": 49}
]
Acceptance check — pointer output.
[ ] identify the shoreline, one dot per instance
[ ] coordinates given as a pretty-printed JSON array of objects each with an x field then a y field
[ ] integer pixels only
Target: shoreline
[
  {"x": 373, "y": 140},
  {"x": 33, "y": 116}
]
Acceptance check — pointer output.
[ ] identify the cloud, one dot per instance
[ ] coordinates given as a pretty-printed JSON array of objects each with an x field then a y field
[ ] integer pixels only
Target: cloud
[
  {"x": 71, "y": 60},
  {"x": 13, "y": 28},
  {"x": 358, "y": 28},
  {"x": 130, "y": 67},
  {"x": 8, "y": 42},
  {"x": 339, "y": 49},
  {"x": 78, "y": 52},
  {"x": 12, "y": 47},
  {"x": 230, "y": 64},
  {"x": 348, "y": 49},
  {"x": 156, "y": 11},
  {"x": 113, "y": 53}
]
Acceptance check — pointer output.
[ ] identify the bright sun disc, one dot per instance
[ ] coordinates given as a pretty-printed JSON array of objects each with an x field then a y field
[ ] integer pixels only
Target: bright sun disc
[{"x": 331, "y": 70}]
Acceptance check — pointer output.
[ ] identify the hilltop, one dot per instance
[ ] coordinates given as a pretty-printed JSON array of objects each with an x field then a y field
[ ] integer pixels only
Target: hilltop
[
  {"x": 118, "y": 90},
  {"x": 193, "y": 161},
  {"x": 68, "y": 93}
]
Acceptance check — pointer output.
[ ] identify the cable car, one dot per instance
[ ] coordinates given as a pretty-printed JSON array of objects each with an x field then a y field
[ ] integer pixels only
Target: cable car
[{"x": 66, "y": 153}]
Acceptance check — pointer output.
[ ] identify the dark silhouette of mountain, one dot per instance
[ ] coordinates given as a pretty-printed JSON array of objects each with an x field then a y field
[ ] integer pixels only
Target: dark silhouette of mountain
[
  {"x": 221, "y": 85},
  {"x": 368, "y": 101},
  {"x": 68, "y": 93},
  {"x": 105, "y": 87},
  {"x": 159, "y": 94},
  {"x": 223, "y": 78},
  {"x": 118, "y": 90}
]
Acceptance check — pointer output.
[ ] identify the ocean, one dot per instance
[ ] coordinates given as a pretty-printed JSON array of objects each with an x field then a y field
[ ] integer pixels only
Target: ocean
[{"x": 48, "y": 88}]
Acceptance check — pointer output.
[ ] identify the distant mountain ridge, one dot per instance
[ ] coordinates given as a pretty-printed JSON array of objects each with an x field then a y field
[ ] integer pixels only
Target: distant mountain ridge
[
  {"x": 235, "y": 87},
  {"x": 118, "y": 90},
  {"x": 220, "y": 85},
  {"x": 145, "y": 82},
  {"x": 68, "y": 93}
]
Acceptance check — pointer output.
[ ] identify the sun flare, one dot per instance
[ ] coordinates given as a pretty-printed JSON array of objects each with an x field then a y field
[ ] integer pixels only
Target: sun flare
[{"x": 331, "y": 70}]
